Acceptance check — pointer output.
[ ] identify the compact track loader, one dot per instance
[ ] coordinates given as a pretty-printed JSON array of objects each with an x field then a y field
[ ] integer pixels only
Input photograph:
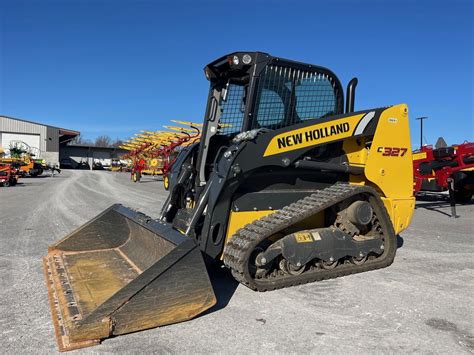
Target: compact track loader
[{"x": 285, "y": 187}]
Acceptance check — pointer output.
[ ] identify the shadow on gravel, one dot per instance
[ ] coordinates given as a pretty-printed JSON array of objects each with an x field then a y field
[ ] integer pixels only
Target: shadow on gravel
[
  {"x": 440, "y": 198},
  {"x": 224, "y": 286},
  {"x": 433, "y": 202},
  {"x": 464, "y": 338},
  {"x": 47, "y": 176},
  {"x": 18, "y": 184},
  {"x": 434, "y": 207},
  {"x": 38, "y": 177}
]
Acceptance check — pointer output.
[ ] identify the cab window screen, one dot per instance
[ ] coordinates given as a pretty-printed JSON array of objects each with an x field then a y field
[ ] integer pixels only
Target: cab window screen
[
  {"x": 286, "y": 96},
  {"x": 271, "y": 109},
  {"x": 232, "y": 110},
  {"x": 314, "y": 97}
]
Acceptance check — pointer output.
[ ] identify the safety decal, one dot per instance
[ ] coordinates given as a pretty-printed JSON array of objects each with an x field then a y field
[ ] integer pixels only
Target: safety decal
[
  {"x": 303, "y": 237},
  {"x": 419, "y": 156}
]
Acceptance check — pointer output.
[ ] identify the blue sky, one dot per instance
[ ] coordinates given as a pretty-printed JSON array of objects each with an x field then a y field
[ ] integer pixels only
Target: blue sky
[{"x": 114, "y": 67}]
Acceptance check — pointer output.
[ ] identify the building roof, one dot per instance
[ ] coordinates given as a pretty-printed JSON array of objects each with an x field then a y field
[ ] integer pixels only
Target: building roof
[{"x": 61, "y": 130}]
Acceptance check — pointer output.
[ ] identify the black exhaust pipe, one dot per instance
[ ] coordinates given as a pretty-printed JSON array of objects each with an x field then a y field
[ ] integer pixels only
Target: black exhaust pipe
[{"x": 350, "y": 99}]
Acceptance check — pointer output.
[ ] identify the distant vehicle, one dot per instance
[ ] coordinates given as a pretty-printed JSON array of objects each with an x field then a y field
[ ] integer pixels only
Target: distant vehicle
[
  {"x": 83, "y": 165},
  {"x": 67, "y": 163},
  {"x": 8, "y": 175}
]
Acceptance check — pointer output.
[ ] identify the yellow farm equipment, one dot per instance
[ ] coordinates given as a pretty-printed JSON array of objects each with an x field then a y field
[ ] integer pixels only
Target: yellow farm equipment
[{"x": 153, "y": 153}]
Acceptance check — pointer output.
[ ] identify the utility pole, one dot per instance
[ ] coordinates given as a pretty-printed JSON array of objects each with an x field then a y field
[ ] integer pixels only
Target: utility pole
[{"x": 421, "y": 129}]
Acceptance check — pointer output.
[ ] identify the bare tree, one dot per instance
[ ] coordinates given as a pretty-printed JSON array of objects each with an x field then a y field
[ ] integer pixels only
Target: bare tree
[
  {"x": 103, "y": 141},
  {"x": 100, "y": 141},
  {"x": 78, "y": 140},
  {"x": 117, "y": 143}
]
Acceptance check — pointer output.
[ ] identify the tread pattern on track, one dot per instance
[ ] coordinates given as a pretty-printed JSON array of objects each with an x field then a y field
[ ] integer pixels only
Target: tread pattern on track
[{"x": 238, "y": 250}]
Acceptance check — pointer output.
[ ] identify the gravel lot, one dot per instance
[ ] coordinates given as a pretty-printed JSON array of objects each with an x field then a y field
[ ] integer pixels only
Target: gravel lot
[{"x": 423, "y": 303}]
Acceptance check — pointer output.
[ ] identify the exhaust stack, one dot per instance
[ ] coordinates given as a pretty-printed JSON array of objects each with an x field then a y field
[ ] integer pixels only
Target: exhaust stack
[{"x": 350, "y": 99}]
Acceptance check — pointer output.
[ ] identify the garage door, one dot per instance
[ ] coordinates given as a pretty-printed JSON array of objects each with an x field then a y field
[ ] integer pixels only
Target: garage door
[{"x": 33, "y": 140}]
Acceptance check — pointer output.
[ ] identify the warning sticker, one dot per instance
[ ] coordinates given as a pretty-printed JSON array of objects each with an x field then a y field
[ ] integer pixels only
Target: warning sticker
[{"x": 303, "y": 237}]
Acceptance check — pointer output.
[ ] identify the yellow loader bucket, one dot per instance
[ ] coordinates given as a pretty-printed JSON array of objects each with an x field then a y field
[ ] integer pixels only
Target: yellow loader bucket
[{"x": 122, "y": 272}]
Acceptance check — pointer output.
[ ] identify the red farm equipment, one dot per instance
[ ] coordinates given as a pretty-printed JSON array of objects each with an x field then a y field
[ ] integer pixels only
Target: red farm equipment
[
  {"x": 9, "y": 175},
  {"x": 445, "y": 169},
  {"x": 155, "y": 152}
]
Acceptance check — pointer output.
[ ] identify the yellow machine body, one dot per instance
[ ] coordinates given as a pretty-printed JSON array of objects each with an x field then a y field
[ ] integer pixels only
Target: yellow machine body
[{"x": 387, "y": 164}]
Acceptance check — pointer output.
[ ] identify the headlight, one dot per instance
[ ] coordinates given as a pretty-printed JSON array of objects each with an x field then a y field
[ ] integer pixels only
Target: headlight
[
  {"x": 208, "y": 74},
  {"x": 235, "y": 60},
  {"x": 246, "y": 59}
]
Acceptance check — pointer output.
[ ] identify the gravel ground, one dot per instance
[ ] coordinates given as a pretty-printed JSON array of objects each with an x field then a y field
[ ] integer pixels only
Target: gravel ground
[{"x": 423, "y": 303}]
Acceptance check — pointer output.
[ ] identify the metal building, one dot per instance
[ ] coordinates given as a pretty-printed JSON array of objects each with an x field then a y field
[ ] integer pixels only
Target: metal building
[
  {"x": 75, "y": 156},
  {"x": 44, "y": 139}
]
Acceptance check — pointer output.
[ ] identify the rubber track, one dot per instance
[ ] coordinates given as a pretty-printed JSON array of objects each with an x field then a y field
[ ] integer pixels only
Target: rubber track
[{"x": 243, "y": 242}]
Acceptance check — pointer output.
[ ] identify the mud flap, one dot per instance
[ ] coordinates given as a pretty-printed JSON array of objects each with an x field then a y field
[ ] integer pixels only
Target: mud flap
[{"x": 122, "y": 272}]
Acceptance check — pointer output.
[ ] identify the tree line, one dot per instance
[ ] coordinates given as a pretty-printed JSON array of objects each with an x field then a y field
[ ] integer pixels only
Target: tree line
[{"x": 100, "y": 141}]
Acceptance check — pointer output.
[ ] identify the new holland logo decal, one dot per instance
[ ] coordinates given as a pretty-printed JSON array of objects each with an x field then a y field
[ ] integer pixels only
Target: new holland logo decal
[
  {"x": 318, "y": 134},
  {"x": 315, "y": 134}
]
